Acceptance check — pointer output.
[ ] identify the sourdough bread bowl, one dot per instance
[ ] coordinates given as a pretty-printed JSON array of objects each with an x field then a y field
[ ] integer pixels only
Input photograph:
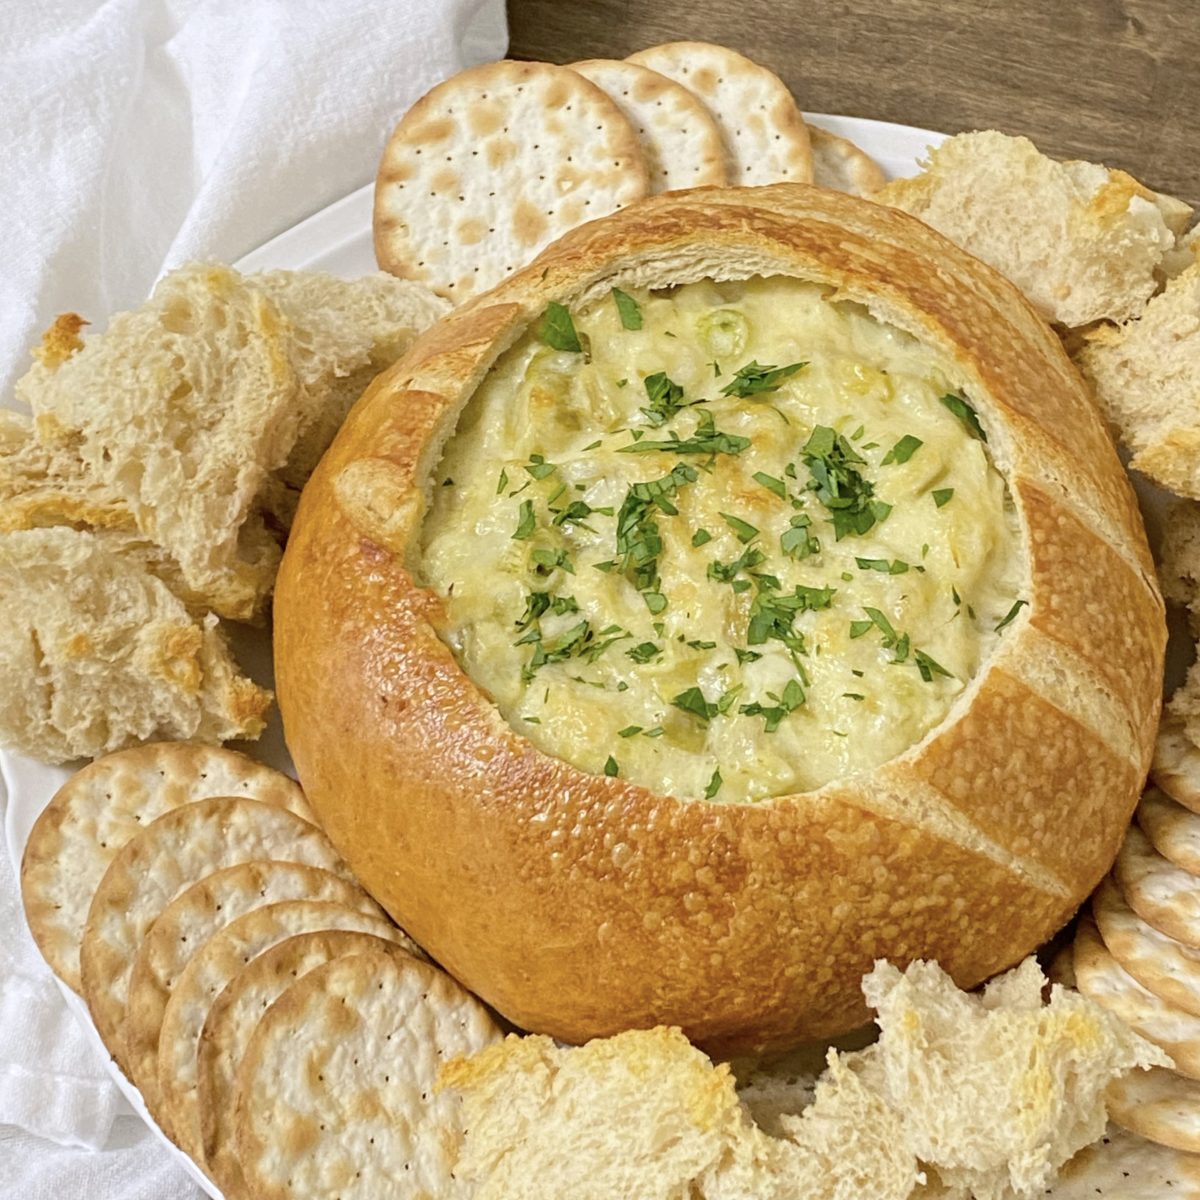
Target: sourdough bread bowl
[{"x": 723, "y": 869}]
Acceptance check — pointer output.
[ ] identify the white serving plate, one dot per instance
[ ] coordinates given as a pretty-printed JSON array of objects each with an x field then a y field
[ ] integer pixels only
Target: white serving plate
[{"x": 338, "y": 239}]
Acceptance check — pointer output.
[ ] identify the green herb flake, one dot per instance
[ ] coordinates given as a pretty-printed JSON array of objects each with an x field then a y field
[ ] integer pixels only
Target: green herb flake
[
  {"x": 692, "y": 701},
  {"x": 593, "y": 445},
  {"x": 966, "y": 414},
  {"x": 707, "y": 439},
  {"x": 853, "y": 696},
  {"x": 656, "y": 602},
  {"x": 941, "y": 496},
  {"x": 714, "y": 785},
  {"x": 546, "y": 560},
  {"x": 665, "y": 396},
  {"x": 773, "y": 714},
  {"x": 1011, "y": 615},
  {"x": 903, "y": 450},
  {"x": 628, "y": 308},
  {"x": 771, "y": 484},
  {"x": 644, "y": 653},
  {"x": 858, "y": 628},
  {"x": 629, "y": 731},
  {"x": 557, "y": 329},
  {"x": 754, "y": 379},
  {"x": 698, "y": 645},
  {"x": 928, "y": 667},
  {"x": 503, "y": 482},
  {"x": 797, "y": 540},
  {"x": 526, "y": 522},
  {"x": 833, "y": 464},
  {"x": 743, "y": 530},
  {"x": 746, "y": 656},
  {"x": 893, "y": 567},
  {"x": 612, "y": 768},
  {"x": 701, "y": 537},
  {"x": 538, "y": 467}
]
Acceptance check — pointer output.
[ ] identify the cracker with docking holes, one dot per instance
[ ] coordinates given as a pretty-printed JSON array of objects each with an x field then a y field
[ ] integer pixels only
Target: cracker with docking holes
[
  {"x": 1176, "y": 767},
  {"x": 765, "y": 134},
  {"x": 839, "y": 164},
  {"x": 1124, "y": 1166},
  {"x": 1101, "y": 978},
  {"x": 167, "y": 857},
  {"x": 680, "y": 140},
  {"x": 185, "y": 926},
  {"x": 212, "y": 970},
  {"x": 1158, "y": 1104},
  {"x": 337, "y": 1091},
  {"x": 1169, "y": 969},
  {"x": 101, "y": 807},
  {"x": 1161, "y": 893},
  {"x": 231, "y": 1023},
  {"x": 1173, "y": 830},
  {"x": 494, "y": 164}
]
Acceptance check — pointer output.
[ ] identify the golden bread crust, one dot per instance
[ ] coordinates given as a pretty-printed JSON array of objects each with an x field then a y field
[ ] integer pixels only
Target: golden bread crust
[{"x": 580, "y": 905}]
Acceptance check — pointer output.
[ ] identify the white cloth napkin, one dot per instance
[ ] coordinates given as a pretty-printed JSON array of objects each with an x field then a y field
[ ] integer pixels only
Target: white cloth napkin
[{"x": 138, "y": 134}]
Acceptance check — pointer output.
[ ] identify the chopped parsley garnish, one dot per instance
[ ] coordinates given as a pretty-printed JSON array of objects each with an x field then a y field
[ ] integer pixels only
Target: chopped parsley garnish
[
  {"x": 746, "y": 656},
  {"x": 638, "y": 541},
  {"x": 728, "y": 572},
  {"x": 790, "y": 700},
  {"x": 966, "y": 414},
  {"x": 743, "y": 530},
  {"x": 700, "y": 537},
  {"x": 692, "y": 701},
  {"x": 798, "y": 541},
  {"x": 928, "y": 667},
  {"x": 754, "y": 379},
  {"x": 628, "y": 308},
  {"x": 665, "y": 396},
  {"x": 853, "y": 696},
  {"x": 892, "y": 567},
  {"x": 546, "y": 560},
  {"x": 771, "y": 484},
  {"x": 839, "y": 485},
  {"x": 942, "y": 496},
  {"x": 629, "y": 731},
  {"x": 558, "y": 649},
  {"x": 526, "y": 522},
  {"x": 538, "y": 467},
  {"x": 772, "y": 615},
  {"x": 612, "y": 768},
  {"x": 577, "y": 512},
  {"x": 503, "y": 482},
  {"x": 644, "y": 653},
  {"x": 557, "y": 329},
  {"x": 539, "y": 603},
  {"x": 714, "y": 785},
  {"x": 707, "y": 439},
  {"x": 903, "y": 450},
  {"x": 656, "y": 602},
  {"x": 1011, "y": 614}
]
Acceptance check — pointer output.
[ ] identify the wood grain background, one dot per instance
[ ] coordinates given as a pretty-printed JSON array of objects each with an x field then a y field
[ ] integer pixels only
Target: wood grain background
[{"x": 1115, "y": 81}]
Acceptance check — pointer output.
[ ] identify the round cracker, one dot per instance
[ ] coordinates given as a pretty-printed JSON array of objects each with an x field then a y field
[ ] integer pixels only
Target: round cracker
[
  {"x": 337, "y": 1091},
  {"x": 493, "y": 165},
  {"x": 231, "y": 1023},
  {"x": 1173, "y": 830},
  {"x": 1162, "y": 894},
  {"x": 104, "y": 805},
  {"x": 838, "y": 164},
  {"x": 1157, "y": 1104},
  {"x": 1176, "y": 767},
  {"x": 1101, "y": 978},
  {"x": 168, "y": 856},
  {"x": 1159, "y": 963},
  {"x": 764, "y": 130},
  {"x": 188, "y": 922},
  {"x": 679, "y": 139},
  {"x": 1124, "y": 1166},
  {"x": 211, "y": 971}
]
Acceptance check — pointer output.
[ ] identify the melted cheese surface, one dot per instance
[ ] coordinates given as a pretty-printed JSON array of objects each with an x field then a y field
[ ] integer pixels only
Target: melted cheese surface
[{"x": 729, "y": 644}]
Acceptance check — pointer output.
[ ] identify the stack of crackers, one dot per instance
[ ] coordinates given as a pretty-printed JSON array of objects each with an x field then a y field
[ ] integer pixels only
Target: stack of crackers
[
  {"x": 499, "y": 161},
  {"x": 229, "y": 959},
  {"x": 1138, "y": 952}
]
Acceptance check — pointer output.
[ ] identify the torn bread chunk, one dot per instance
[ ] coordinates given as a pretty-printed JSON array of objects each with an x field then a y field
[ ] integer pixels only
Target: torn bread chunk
[
  {"x": 1081, "y": 241},
  {"x": 99, "y": 654},
  {"x": 1146, "y": 377}
]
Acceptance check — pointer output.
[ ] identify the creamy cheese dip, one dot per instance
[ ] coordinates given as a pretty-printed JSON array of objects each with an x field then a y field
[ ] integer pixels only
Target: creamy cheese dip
[{"x": 745, "y": 540}]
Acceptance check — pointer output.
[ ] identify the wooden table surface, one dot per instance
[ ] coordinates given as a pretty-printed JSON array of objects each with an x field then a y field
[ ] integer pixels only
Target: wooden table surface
[{"x": 1114, "y": 81}]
